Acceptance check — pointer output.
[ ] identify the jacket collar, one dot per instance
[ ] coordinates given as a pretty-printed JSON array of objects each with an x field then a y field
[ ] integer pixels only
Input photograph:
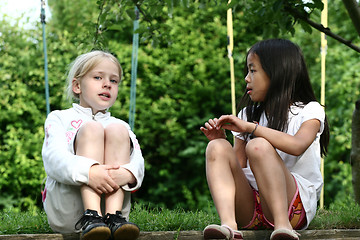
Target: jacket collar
[{"x": 88, "y": 112}]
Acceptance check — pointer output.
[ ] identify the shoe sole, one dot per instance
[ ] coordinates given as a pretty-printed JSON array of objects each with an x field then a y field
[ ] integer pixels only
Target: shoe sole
[
  {"x": 282, "y": 234},
  {"x": 126, "y": 232},
  {"x": 221, "y": 232},
  {"x": 215, "y": 232},
  {"x": 98, "y": 233}
]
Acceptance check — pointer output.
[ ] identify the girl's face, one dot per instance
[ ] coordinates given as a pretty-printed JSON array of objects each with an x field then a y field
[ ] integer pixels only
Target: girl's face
[
  {"x": 98, "y": 89},
  {"x": 257, "y": 81}
]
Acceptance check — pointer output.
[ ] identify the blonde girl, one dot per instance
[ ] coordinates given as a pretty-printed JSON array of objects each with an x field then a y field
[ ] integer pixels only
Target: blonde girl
[{"x": 90, "y": 156}]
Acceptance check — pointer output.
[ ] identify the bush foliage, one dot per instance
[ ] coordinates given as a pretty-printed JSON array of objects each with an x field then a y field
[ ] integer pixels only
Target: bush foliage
[{"x": 182, "y": 82}]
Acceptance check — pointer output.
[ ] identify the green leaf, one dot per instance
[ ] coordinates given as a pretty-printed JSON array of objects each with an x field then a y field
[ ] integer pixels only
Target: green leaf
[
  {"x": 307, "y": 28},
  {"x": 277, "y": 5},
  {"x": 131, "y": 13}
]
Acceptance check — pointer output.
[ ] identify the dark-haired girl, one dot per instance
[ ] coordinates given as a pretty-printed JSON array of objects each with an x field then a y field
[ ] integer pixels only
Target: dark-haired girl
[{"x": 270, "y": 178}]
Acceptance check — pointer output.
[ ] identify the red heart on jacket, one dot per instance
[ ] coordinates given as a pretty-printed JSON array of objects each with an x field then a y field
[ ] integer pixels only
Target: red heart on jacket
[{"x": 76, "y": 124}]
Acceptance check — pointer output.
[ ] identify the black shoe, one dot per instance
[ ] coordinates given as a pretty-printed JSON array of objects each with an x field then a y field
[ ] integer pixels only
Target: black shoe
[
  {"x": 120, "y": 228},
  {"x": 93, "y": 226}
]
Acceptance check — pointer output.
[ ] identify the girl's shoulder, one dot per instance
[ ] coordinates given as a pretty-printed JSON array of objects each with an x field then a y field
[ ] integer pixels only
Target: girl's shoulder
[
  {"x": 63, "y": 117},
  {"x": 306, "y": 107},
  {"x": 304, "y": 112},
  {"x": 118, "y": 120},
  {"x": 314, "y": 108},
  {"x": 61, "y": 112},
  {"x": 313, "y": 105}
]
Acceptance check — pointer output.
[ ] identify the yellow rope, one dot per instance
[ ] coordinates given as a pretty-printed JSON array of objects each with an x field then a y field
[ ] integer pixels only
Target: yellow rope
[
  {"x": 324, "y": 22},
  {"x": 230, "y": 49}
]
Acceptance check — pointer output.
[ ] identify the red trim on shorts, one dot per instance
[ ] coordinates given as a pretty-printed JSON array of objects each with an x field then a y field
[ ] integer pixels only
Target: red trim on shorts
[{"x": 296, "y": 212}]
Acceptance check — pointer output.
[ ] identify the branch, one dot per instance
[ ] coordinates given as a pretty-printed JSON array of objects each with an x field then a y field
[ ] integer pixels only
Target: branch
[
  {"x": 97, "y": 26},
  {"x": 321, "y": 28},
  {"x": 353, "y": 9},
  {"x": 138, "y": 5},
  {"x": 146, "y": 18}
]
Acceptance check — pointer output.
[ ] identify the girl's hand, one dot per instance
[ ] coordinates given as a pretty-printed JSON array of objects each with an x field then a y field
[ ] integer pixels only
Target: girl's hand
[
  {"x": 100, "y": 180},
  {"x": 233, "y": 123},
  {"x": 211, "y": 131},
  {"x": 122, "y": 176}
]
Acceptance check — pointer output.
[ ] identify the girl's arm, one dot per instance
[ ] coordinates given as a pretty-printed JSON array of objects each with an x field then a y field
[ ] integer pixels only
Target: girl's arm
[
  {"x": 294, "y": 145},
  {"x": 133, "y": 172},
  {"x": 239, "y": 148},
  {"x": 59, "y": 163}
]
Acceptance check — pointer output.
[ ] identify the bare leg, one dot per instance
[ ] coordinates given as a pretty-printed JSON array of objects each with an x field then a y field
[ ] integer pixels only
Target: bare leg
[
  {"x": 117, "y": 152},
  {"x": 276, "y": 184},
  {"x": 230, "y": 190},
  {"x": 90, "y": 143}
]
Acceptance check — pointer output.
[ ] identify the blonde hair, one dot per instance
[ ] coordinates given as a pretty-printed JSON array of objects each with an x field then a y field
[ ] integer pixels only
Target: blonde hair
[{"x": 82, "y": 65}]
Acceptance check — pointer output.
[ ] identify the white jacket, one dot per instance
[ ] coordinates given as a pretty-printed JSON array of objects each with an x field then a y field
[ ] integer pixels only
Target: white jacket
[{"x": 66, "y": 172}]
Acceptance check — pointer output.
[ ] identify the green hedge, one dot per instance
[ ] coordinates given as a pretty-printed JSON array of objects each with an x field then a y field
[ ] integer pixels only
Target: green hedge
[{"x": 181, "y": 83}]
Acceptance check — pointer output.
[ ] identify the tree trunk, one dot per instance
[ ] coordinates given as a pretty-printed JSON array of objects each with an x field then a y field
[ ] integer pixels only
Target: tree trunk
[
  {"x": 353, "y": 8},
  {"x": 355, "y": 151}
]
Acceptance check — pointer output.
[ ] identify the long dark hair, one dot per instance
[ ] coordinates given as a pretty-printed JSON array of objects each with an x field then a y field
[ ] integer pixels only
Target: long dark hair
[{"x": 290, "y": 83}]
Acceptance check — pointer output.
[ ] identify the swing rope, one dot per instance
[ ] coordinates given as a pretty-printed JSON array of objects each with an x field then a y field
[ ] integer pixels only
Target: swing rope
[
  {"x": 134, "y": 63},
  {"x": 230, "y": 56},
  {"x": 324, "y": 22},
  {"x": 42, "y": 19},
  {"x": 230, "y": 47}
]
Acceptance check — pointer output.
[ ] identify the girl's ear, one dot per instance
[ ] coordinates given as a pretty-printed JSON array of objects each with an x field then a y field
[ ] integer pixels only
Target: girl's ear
[{"x": 76, "y": 86}]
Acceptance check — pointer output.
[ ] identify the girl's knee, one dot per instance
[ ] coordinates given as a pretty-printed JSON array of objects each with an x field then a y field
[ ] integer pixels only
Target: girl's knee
[
  {"x": 217, "y": 147},
  {"x": 117, "y": 132},
  {"x": 258, "y": 147},
  {"x": 91, "y": 130}
]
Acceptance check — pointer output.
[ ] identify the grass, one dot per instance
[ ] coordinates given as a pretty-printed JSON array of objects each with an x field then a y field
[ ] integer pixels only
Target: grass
[
  {"x": 339, "y": 215},
  {"x": 148, "y": 219},
  {"x": 13, "y": 222},
  {"x": 345, "y": 216},
  {"x": 160, "y": 219}
]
